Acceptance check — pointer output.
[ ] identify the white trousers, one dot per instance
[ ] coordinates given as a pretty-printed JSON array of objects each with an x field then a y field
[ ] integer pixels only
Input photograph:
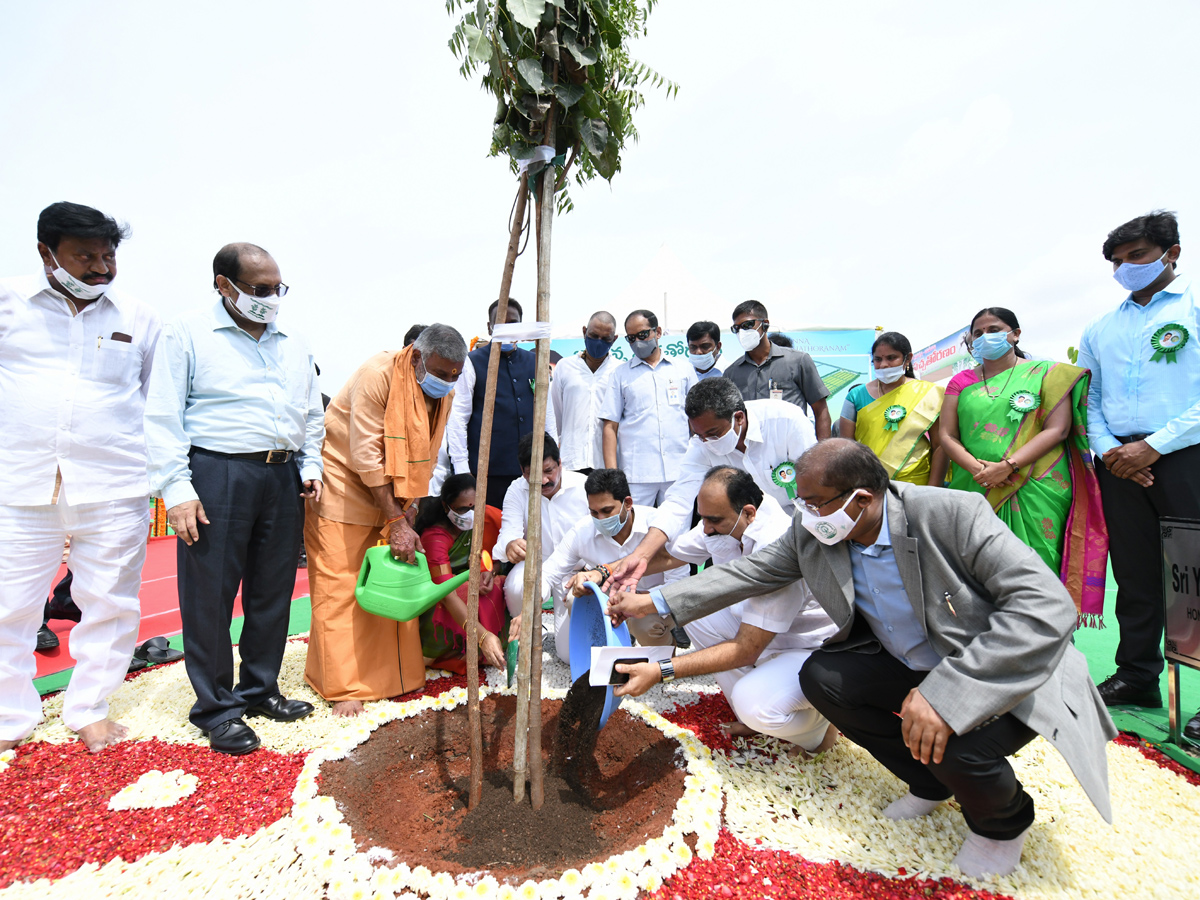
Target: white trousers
[
  {"x": 649, "y": 493},
  {"x": 108, "y": 548},
  {"x": 766, "y": 696},
  {"x": 514, "y": 589}
]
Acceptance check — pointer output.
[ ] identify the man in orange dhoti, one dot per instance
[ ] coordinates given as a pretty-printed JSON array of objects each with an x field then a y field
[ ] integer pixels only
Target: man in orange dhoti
[{"x": 383, "y": 431}]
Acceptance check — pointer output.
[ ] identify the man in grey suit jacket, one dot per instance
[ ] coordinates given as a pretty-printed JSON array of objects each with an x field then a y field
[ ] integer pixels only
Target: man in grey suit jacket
[{"x": 953, "y": 649}]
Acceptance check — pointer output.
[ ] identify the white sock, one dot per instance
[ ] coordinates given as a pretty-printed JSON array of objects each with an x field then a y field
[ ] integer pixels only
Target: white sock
[
  {"x": 980, "y": 857},
  {"x": 910, "y": 807}
]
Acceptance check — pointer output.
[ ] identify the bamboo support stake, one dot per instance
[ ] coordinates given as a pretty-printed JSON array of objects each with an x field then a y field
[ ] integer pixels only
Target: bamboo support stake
[{"x": 485, "y": 451}]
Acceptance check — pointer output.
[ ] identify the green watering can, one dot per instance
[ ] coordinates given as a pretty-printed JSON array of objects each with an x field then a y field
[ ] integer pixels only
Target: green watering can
[{"x": 396, "y": 590}]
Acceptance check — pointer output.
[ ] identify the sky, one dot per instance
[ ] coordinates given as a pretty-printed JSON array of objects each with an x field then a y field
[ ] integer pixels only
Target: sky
[{"x": 854, "y": 164}]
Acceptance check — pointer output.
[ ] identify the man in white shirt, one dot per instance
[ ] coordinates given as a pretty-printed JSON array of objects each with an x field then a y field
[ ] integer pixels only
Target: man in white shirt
[
  {"x": 234, "y": 427},
  {"x": 564, "y": 505},
  {"x": 577, "y": 391},
  {"x": 645, "y": 430},
  {"x": 73, "y": 377},
  {"x": 755, "y": 648},
  {"x": 762, "y": 437},
  {"x": 615, "y": 525}
]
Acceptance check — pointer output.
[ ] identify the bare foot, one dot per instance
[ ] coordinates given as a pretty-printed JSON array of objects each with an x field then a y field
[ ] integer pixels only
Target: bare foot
[
  {"x": 738, "y": 729},
  {"x": 347, "y": 708},
  {"x": 797, "y": 752},
  {"x": 101, "y": 734},
  {"x": 5, "y": 746}
]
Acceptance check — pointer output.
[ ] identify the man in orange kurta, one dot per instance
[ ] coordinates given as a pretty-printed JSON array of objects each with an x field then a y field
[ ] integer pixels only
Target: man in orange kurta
[{"x": 383, "y": 431}]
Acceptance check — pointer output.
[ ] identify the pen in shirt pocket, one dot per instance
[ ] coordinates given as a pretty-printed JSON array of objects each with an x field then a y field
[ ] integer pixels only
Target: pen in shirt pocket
[{"x": 950, "y": 605}]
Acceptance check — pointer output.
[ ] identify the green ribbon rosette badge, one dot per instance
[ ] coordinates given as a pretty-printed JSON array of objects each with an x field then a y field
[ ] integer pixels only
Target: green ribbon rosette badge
[
  {"x": 784, "y": 475},
  {"x": 893, "y": 416},
  {"x": 1168, "y": 341},
  {"x": 1022, "y": 402}
]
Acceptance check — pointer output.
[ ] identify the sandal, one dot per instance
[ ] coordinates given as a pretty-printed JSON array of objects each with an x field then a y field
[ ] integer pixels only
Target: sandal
[{"x": 157, "y": 651}]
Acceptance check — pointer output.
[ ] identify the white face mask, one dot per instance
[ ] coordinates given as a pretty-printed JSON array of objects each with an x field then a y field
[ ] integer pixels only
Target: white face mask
[
  {"x": 726, "y": 443},
  {"x": 80, "y": 290},
  {"x": 749, "y": 339},
  {"x": 831, "y": 529},
  {"x": 721, "y": 545},
  {"x": 256, "y": 309},
  {"x": 890, "y": 375},
  {"x": 461, "y": 521}
]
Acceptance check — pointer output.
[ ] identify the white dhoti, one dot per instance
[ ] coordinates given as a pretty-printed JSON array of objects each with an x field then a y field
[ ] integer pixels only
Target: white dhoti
[
  {"x": 766, "y": 696},
  {"x": 108, "y": 548}
]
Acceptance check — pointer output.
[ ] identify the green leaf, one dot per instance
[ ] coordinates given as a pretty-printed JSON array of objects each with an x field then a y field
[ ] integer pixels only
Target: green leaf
[
  {"x": 531, "y": 71},
  {"x": 585, "y": 56},
  {"x": 478, "y": 45},
  {"x": 527, "y": 12},
  {"x": 594, "y": 134},
  {"x": 568, "y": 94}
]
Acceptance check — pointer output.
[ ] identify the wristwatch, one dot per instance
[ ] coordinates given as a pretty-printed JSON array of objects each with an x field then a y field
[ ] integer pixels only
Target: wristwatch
[{"x": 666, "y": 670}]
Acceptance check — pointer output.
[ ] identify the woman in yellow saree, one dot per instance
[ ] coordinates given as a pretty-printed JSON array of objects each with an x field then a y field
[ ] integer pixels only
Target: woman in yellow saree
[
  {"x": 896, "y": 415},
  {"x": 1016, "y": 431}
]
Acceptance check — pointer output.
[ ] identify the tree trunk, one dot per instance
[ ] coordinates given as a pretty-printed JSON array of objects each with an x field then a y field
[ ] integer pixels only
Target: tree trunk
[
  {"x": 527, "y": 751},
  {"x": 485, "y": 451}
]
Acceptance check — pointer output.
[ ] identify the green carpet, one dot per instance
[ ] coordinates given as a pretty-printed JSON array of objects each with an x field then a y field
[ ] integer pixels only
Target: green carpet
[{"x": 298, "y": 623}]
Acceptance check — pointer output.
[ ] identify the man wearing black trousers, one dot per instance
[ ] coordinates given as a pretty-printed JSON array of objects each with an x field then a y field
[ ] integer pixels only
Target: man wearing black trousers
[
  {"x": 1144, "y": 427},
  {"x": 234, "y": 426}
]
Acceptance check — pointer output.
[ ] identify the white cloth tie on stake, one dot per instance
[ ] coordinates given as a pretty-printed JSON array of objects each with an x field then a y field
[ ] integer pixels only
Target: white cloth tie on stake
[
  {"x": 521, "y": 331},
  {"x": 542, "y": 154}
]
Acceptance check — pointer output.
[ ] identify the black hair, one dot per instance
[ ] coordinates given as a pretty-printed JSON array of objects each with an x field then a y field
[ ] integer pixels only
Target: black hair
[
  {"x": 413, "y": 333},
  {"x": 739, "y": 486},
  {"x": 844, "y": 465},
  {"x": 1007, "y": 316},
  {"x": 779, "y": 339},
  {"x": 720, "y": 396},
  {"x": 525, "y": 450},
  {"x": 698, "y": 330},
  {"x": 1159, "y": 227},
  {"x": 604, "y": 316},
  {"x": 650, "y": 317},
  {"x": 555, "y": 357},
  {"x": 64, "y": 219},
  {"x": 607, "y": 481},
  {"x": 897, "y": 341},
  {"x": 228, "y": 261},
  {"x": 432, "y": 510},
  {"x": 512, "y": 304},
  {"x": 750, "y": 307}
]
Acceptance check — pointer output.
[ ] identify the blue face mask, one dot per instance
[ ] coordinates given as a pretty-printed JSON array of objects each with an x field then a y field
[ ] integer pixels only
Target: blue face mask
[
  {"x": 990, "y": 346},
  {"x": 596, "y": 349},
  {"x": 1134, "y": 278},
  {"x": 508, "y": 348},
  {"x": 609, "y": 526},
  {"x": 702, "y": 362},
  {"x": 433, "y": 386}
]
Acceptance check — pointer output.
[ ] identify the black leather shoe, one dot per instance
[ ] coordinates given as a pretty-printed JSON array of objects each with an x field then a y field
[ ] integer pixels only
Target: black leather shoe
[
  {"x": 233, "y": 737},
  {"x": 1116, "y": 691},
  {"x": 281, "y": 709},
  {"x": 1192, "y": 728},
  {"x": 46, "y": 639}
]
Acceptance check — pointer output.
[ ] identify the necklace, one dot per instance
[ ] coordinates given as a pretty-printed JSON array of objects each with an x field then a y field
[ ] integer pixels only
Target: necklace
[{"x": 992, "y": 394}]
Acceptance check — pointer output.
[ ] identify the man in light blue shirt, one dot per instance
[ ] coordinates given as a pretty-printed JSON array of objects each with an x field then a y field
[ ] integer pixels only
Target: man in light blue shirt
[
  {"x": 234, "y": 427},
  {"x": 1144, "y": 424}
]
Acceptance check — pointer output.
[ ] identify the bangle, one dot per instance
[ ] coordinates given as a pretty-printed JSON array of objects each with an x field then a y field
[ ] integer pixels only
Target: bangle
[
  {"x": 1015, "y": 467},
  {"x": 603, "y": 570}
]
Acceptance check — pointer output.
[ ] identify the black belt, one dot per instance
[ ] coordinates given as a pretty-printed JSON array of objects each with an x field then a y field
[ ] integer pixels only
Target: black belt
[
  {"x": 264, "y": 456},
  {"x": 1131, "y": 438}
]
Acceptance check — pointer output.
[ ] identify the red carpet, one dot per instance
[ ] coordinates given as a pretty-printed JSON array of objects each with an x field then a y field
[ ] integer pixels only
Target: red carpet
[{"x": 160, "y": 604}]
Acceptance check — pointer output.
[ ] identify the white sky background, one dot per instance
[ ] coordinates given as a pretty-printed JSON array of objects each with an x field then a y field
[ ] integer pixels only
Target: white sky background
[{"x": 867, "y": 163}]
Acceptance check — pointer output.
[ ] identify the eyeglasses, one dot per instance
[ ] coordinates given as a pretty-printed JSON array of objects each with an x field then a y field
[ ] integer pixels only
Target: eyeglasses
[
  {"x": 640, "y": 336},
  {"x": 816, "y": 510},
  {"x": 748, "y": 325},
  {"x": 263, "y": 290},
  {"x": 603, "y": 340}
]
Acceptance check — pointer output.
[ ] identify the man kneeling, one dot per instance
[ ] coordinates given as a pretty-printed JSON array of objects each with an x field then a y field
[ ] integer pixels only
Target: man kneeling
[
  {"x": 755, "y": 649},
  {"x": 953, "y": 648}
]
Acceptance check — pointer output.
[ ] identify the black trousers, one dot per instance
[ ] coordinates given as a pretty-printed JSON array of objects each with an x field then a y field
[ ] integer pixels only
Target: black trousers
[
  {"x": 497, "y": 487},
  {"x": 861, "y": 693},
  {"x": 1132, "y": 513},
  {"x": 256, "y": 520}
]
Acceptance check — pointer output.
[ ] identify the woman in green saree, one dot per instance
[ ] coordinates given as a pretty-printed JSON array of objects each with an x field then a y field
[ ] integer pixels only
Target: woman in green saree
[
  {"x": 1015, "y": 430},
  {"x": 896, "y": 415}
]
